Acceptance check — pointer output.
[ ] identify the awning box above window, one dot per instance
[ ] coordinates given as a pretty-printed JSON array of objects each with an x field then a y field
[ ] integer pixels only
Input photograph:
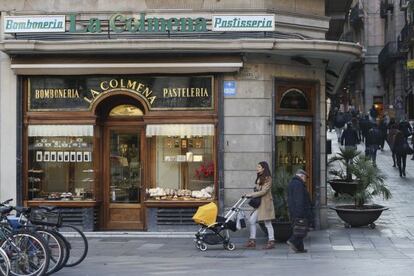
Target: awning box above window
[{"x": 180, "y": 130}]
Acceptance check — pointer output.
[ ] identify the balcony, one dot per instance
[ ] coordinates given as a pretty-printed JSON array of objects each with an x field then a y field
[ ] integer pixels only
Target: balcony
[
  {"x": 388, "y": 56},
  {"x": 356, "y": 16},
  {"x": 385, "y": 6},
  {"x": 407, "y": 37},
  {"x": 347, "y": 37}
]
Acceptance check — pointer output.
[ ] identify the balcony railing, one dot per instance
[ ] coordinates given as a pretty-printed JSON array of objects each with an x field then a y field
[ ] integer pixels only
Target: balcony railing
[{"x": 388, "y": 55}]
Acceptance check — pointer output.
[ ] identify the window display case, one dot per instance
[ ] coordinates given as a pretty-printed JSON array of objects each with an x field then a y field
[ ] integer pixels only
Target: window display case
[
  {"x": 60, "y": 167},
  {"x": 185, "y": 168}
]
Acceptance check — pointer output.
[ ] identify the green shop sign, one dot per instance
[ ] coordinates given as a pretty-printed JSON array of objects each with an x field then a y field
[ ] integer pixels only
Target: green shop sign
[{"x": 120, "y": 23}]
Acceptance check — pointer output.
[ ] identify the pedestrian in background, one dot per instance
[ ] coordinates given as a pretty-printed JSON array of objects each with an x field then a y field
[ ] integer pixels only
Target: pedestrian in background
[
  {"x": 331, "y": 118},
  {"x": 350, "y": 136},
  {"x": 393, "y": 130},
  {"x": 373, "y": 113},
  {"x": 364, "y": 124},
  {"x": 372, "y": 143},
  {"x": 265, "y": 212},
  {"x": 383, "y": 130},
  {"x": 299, "y": 205},
  {"x": 401, "y": 152},
  {"x": 339, "y": 124}
]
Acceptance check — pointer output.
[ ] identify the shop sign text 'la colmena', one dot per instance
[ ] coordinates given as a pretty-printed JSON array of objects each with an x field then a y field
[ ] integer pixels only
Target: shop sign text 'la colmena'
[{"x": 133, "y": 85}]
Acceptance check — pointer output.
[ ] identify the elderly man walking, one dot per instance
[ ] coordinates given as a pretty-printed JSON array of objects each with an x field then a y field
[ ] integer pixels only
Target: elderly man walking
[{"x": 299, "y": 204}]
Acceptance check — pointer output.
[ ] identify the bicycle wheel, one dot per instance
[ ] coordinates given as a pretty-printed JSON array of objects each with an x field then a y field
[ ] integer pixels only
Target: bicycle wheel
[
  {"x": 65, "y": 250},
  {"x": 28, "y": 253},
  {"x": 78, "y": 244},
  {"x": 4, "y": 263},
  {"x": 55, "y": 245}
]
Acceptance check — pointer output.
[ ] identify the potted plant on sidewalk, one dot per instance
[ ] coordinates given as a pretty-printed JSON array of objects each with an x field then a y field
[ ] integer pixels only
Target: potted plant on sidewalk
[
  {"x": 342, "y": 183},
  {"x": 281, "y": 225},
  {"x": 369, "y": 183}
]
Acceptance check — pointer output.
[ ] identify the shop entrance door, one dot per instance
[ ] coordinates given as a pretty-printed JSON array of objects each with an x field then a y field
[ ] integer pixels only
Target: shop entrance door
[
  {"x": 294, "y": 148},
  {"x": 123, "y": 178}
]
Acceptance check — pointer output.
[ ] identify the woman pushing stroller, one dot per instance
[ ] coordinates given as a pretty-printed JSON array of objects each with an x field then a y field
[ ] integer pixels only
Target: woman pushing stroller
[{"x": 265, "y": 212}]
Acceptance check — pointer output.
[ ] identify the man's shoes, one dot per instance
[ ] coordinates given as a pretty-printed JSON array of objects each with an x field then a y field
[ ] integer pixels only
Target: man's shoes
[
  {"x": 302, "y": 251},
  {"x": 292, "y": 246}
]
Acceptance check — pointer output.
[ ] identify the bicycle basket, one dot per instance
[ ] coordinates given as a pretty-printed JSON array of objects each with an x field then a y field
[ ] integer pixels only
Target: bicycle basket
[{"x": 47, "y": 218}]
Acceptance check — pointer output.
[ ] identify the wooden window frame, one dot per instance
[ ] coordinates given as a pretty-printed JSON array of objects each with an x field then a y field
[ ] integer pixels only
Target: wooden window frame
[{"x": 308, "y": 89}]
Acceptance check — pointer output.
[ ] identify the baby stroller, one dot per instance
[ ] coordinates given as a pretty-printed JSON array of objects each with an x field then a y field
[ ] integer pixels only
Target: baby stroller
[{"x": 215, "y": 229}]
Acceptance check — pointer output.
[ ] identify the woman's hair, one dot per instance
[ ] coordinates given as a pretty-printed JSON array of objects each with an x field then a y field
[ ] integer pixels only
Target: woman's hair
[{"x": 265, "y": 173}]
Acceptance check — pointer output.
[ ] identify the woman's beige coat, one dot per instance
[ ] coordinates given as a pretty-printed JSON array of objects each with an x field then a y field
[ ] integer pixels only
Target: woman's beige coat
[{"x": 266, "y": 210}]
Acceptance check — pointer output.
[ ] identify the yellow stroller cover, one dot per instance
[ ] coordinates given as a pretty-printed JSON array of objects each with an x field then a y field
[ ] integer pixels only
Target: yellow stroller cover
[{"x": 206, "y": 214}]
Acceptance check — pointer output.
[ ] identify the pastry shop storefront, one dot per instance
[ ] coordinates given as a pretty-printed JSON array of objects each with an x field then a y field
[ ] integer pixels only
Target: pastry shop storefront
[{"x": 120, "y": 151}]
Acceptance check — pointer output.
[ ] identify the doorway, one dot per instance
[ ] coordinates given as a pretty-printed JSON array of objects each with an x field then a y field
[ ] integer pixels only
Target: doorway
[
  {"x": 123, "y": 178},
  {"x": 123, "y": 145}
]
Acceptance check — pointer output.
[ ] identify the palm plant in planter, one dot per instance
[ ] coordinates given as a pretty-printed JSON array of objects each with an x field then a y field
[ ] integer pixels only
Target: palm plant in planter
[
  {"x": 342, "y": 183},
  {"x": 369, "y": 183},
  {"x": 282, "y": 224}
]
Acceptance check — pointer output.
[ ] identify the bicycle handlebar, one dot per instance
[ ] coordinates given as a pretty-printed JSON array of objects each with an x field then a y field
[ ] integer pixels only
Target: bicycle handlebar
[{"x": 7, "y": 201}]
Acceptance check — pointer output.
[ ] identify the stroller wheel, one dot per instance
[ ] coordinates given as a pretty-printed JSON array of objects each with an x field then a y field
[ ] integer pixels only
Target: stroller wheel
[
  {"x": 202, "y": 246},
  {"x": 229, "y": 246}
]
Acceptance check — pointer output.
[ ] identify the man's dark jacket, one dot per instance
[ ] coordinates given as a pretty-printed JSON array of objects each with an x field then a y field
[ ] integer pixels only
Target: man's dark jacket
[
  {"x": 299, "y": 202},
  {"x": 373, "y": 137},
  {"x": 350, "y": 136}
]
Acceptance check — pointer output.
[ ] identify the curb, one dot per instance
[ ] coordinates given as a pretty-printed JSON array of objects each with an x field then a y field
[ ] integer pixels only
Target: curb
[{"x": 185, "y": 235}]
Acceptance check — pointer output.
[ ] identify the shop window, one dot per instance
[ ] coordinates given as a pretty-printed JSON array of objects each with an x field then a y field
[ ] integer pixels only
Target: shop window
[
  {"x": 184, "y": 162},
  {"x": 60, "y": 162},
  {"x": 294, "y": 99}
]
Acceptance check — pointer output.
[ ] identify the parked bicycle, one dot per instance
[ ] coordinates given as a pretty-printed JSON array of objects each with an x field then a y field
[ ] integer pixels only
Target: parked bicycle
[
  {"x": 67, "y": 244},
  {"x": 27, "y": 250}
]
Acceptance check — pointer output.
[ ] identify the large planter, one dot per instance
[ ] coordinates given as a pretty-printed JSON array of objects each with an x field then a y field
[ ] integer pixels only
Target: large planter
[
  {"x": 357, "y": 217},
  {"x": 283, "y": 230},
  {"x": 343, "y": 187}
]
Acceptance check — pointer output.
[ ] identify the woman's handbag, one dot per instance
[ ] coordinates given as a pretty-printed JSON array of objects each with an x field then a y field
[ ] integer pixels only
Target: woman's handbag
[
  {"x": 255, "y": 202},
  {"x": 300, "y": 228}
]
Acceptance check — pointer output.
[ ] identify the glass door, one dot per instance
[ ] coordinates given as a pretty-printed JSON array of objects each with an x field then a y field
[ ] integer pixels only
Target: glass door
[
  {"x": 293, "y": 148},
  {"x": 124, "y": 171}
]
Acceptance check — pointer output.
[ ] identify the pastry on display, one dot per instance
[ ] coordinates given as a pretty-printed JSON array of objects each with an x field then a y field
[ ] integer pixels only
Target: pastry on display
[{"x": 179, "y": 194}]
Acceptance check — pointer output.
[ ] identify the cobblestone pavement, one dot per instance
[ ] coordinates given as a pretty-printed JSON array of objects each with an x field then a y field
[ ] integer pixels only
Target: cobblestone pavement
[{"x": 386, "y": 250}]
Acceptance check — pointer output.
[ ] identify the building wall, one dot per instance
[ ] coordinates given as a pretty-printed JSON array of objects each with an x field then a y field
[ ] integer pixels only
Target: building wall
[
  {"x": 8, "y": 123},
  {"x": 373, "y": 42},
  {"x": 248, "y": 125}
]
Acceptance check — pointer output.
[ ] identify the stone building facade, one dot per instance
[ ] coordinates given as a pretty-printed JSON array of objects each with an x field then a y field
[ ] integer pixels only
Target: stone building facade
[{"x": 268, "y": 102}]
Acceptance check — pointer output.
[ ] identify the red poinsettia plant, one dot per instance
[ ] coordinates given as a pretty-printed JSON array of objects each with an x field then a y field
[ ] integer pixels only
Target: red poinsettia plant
[{"x": 205, "y": 170}]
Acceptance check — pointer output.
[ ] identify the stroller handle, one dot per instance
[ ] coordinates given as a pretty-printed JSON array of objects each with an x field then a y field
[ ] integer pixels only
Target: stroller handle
[{"x": 236, "y": 207}]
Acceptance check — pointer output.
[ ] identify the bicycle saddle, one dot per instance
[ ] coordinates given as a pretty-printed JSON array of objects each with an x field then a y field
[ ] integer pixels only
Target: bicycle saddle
[{"x": 5, "y": 210}]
